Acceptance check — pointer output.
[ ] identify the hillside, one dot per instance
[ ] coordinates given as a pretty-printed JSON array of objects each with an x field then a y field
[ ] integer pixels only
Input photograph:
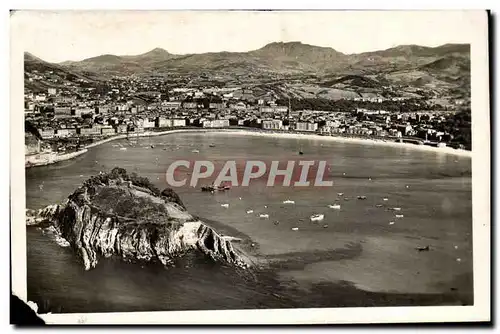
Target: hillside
[
  {"x": 277, "y": 57},
  {"x": 442, "y": 68},
  {"x": 57, "y": 74}
]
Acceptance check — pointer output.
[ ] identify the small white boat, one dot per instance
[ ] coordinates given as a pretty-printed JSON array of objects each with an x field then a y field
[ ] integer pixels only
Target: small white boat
[
  {"x": 249, "y": 211},
  {"x": 239, "y": 198},
  {"x": 391, "y": 223},
  {"x": 288, "y": 202},
  {"x": 225, "y": 205},
  {"x": 407, "y": 187},
  {"x": 396, "y": 209},
  {"x": 334, "y": 206},
  {"x": 340, "y": 194},
  {"x": 123, "y": 148},
  {"x": 265, "y": 206},
  {"x": 378, "y": 205},
  {"x": 295, "y": 228},
  {"x": 317, "y": 217},
  {"x": 195, "y": 151},
  {"x": 325, "y": 226},
  {"x": 399, "y": 216},
  {"x": 385, "y": 199},
  {"x": 264, "y": 215}
]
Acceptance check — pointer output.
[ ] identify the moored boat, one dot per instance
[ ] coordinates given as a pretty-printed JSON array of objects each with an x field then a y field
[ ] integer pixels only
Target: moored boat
[{"x": 317, "y": 217}]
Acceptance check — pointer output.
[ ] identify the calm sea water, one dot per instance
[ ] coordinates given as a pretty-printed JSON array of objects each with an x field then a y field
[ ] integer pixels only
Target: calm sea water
[{"x": 360, "y": 259}]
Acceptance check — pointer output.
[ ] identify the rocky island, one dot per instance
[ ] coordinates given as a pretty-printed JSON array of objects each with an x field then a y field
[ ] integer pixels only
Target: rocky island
[{"x": 125, "y": 215}]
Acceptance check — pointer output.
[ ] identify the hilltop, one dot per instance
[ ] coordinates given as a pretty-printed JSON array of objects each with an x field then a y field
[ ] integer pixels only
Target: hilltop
[
  {"x": 439, "y": 69},
  {"x": 279, "y": 57}
]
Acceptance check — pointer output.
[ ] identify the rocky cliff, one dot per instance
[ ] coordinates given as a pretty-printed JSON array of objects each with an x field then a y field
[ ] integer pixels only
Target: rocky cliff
[{"x": 117, "y": 214}]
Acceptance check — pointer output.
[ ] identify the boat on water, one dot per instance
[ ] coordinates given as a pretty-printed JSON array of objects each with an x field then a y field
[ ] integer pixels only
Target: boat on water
[
  {"x": 123, "y": 148},
  {"x": 195, "y": 151},
  {"x": 249, "y": 211},
  {"x": 211, "y": 145},
  {"x": 334, "y": 206},
  {"x": 214, "y": 188},
  {"x": 399, "y": 216},
  {"x": 396, "y": 209},
  {"x": 361, "y": 197},
  {"x": 385, "y": 199},
  {"x": 317, "y": 217},
  {"x": 264, "y": 215},
  {"x": 301, "y": 153},
  {"x": 225, "y": 205},
  {"x": 288, "y": 202},
  {"x": 340, "y": 194},
  {"x": 295, "y": 228},
  {"x": 152, "y": 146}
]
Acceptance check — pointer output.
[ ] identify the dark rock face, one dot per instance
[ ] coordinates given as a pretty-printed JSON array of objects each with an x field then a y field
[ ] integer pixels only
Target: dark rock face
[
  {"x": 171, "y": 196},
  {"x": 117, "y": 214}
]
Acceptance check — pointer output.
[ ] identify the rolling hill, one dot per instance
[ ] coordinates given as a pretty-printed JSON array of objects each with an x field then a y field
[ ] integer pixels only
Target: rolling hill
[
  {"x": 446, "y": 66},
  {"x": 278, "y": 57}
]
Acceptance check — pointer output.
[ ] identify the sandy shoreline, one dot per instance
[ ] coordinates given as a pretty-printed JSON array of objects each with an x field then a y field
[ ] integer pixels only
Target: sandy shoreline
[
  {"x": 45, "y": 159},
  {"x": 259, "y": 133},
  {"x": 447, "y": 150}
]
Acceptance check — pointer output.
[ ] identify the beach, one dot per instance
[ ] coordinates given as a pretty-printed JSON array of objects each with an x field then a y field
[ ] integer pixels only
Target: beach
[
  {"x": 248, "y": 132},
  {"x": 43, "y": 159},
  {"x": 364, "y": 141}
]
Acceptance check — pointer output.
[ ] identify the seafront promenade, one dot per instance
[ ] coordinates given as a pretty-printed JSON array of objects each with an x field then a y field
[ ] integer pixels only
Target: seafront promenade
[{"x": 43, "y": 159}]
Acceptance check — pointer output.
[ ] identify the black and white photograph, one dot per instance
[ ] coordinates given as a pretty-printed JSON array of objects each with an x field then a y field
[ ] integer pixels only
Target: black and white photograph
[{"x": 260, "y": 161}]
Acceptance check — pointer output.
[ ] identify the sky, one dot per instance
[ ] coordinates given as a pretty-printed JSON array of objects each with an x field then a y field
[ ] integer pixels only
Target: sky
[{"x": 57, "y": 36}]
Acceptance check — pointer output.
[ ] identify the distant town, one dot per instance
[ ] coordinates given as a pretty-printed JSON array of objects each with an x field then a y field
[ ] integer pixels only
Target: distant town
[{"x": 65, "y": 119}]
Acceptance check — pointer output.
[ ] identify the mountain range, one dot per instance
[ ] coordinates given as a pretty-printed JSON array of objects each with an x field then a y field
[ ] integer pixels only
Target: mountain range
[
  {"x": 278, "y": 57},
  {"x": 441, "y": 69}
]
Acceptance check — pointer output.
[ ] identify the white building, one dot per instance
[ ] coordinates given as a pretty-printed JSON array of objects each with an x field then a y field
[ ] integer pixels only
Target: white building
[
  {"x": 179, "y": 122},
  {"x": 148, "y": 123},
  {"x": 47, "y": 133},
  {"x": 272, "y": 124},
  {"x": 216, "y": 123},
  {"x": 164, "y": 122},
  {"x": 306, "y": 126}
]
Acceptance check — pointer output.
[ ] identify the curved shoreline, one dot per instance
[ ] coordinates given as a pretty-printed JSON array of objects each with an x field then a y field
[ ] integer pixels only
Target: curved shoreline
[
  {"x": 370, "y": 141},
  {"x": 264, "y": 133},
  {"x": 267, "y": 133},
  {"x": 44, "y": 159}
]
